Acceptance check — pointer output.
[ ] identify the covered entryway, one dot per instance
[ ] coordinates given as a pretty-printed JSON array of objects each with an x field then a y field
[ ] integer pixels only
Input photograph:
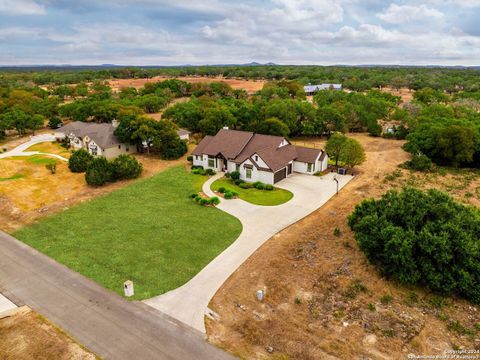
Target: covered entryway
[{"x": 279, "y": 175}]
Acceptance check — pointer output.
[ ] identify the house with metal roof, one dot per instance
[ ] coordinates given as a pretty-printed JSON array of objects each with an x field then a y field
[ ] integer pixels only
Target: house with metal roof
[
  {"x": 257, "y": 157},
  {"x": 312, "y": 89}
]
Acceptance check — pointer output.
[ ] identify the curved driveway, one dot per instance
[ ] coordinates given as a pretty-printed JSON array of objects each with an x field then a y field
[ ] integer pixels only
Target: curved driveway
[
  {"x": 189, "y": 302},
  {"x": 20, "y": 150}
]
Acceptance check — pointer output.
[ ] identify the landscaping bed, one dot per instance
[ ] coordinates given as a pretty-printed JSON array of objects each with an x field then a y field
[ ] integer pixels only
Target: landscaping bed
[
  {"x": 253, "y": 195},
  {"x": 150, "y": 232}
]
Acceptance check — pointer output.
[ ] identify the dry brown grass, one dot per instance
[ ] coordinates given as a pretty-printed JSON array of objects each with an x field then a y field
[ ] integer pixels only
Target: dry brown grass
[
  {"x": 51, "y": 148},
  {"x": 250, "y": 86},
  {"x": 27, "y": 335},
  {"x": 323, "y": 299}
]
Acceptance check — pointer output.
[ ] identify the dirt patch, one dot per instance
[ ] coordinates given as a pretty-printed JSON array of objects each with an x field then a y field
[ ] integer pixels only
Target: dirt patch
[
  {"x": 27, "y": 335},
  {"x": 323, "y": 300},
  {"x": 34, "y": 192},
  {"x": 404, "y": 93},
  {"x": 251, "y": 86}
]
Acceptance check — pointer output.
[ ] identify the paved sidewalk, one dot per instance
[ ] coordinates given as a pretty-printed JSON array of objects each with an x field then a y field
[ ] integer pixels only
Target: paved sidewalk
[
  {"x": 6, "y": 305},
  {"x": 102, "y": 321},
  {"x": 38, "y": 139},
  {"x": 189, "y": 302}
]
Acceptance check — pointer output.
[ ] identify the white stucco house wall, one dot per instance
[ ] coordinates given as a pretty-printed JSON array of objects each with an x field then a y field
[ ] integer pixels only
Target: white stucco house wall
[
  {"x": 97, "y": 139},
  {"x": 257, "y": 157}
]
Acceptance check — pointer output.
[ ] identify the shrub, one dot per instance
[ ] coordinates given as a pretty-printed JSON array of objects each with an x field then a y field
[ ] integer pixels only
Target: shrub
[
  {"x": 79, "y": 161},
  {"x": 52, "y": 168},
  {"x": 199, "y": 171},
  {"x": 190, "y": 158},
  {"x": 215, "y": 200},
  {"x": 235, "y": 175},
  {"x": 238, "y": 182},
  {"x": 99, "y": 172},
  {"x": 126, "y": 167},
  {"x": 193, "y": 196},
  {"x": 419, "y": 162},
  {"x": 197, "y": 167},
  {"x": 228, "y": 195},
  {"x": 269, "y": 187},
  {"x": 198, "y": 198},
  {"x": 422, "y": 238},
  {"x": 227, "y": 175},
  {"x": 54, "y": 122},
  {"x": 210, "y": 172},
  {"x": 204, "y": 201},
  {"x": 221, "y": 190},
  {"x": 260, "y": 186},
  {"x": 245, "y": 185}
]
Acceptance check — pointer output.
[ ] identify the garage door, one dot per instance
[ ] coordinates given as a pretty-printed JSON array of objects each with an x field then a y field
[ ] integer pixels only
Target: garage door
[{"x": 280, "y": 175}]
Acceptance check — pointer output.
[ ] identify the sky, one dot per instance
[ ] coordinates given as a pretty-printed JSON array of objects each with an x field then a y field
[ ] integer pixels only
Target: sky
[{"x": 165, "y": 32}]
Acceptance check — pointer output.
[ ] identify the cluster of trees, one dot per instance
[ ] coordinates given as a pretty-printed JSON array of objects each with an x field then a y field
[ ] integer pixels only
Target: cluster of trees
[
  {"x": 99, "y": 171},
  {"x": 447, "y": 133},
  {"x": 353, "y": 78},
  {"x": 25, "y": 109},
  {"x": 280, "y": 109},
  {"x": 346, "y": 150},
  {"x": 425, "y": 239},
  {"x": 158, "y": 137}
]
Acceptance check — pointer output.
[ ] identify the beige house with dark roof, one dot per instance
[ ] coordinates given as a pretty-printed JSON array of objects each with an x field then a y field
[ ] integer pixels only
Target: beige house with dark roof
[
  {"x": 97, "y": 139},
  {"x": 257, "y": 157}
]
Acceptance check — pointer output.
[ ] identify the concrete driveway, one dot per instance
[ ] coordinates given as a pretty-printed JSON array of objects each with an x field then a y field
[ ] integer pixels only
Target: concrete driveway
[
  {"x": 189, "y": 303},
  {"x": 38, "y": 139}
]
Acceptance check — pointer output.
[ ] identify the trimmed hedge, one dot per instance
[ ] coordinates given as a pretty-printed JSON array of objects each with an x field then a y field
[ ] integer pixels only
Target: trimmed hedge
[{"x": 79, "y": 161}]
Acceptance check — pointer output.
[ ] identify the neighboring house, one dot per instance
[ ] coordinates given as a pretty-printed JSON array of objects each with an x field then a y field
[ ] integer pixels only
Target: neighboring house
[
  {"x": 97, "y": 139},
  {"x": 312, "y": 89},
  {"x": 257, "y": 157}
]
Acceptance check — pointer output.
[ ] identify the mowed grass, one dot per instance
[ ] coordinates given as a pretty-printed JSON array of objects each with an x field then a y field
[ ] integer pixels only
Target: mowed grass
[
  {"x": 254, "y": 196},
  {"x": 149, "y": 232}
]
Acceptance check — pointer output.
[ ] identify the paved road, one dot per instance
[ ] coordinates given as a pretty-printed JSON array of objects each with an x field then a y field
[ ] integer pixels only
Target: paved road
[
  {"x": 189, "y": 302},
  {"x": 105, "y": 323},
  {"x": 38, "y": 139}
]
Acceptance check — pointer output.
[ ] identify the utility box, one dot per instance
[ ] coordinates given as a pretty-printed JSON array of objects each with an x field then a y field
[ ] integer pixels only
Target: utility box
[
  {"x": 342, "y": 171},
  {"x": 128, "y": 288}
]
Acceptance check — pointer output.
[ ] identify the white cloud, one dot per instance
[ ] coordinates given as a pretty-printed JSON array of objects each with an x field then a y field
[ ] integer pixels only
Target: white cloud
[
  {"x": 21, "y": 7},
  {"x": 399, "y": 14}
]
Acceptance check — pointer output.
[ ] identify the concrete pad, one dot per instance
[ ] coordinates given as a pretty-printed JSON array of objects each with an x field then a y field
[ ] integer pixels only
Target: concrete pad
[
  {"x": 189, "y": 302},
  {"x": 6, "y": 305}
]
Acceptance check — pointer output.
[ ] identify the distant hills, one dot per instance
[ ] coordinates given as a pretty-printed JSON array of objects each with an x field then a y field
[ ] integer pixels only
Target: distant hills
[{"x": 253, "y": 63}]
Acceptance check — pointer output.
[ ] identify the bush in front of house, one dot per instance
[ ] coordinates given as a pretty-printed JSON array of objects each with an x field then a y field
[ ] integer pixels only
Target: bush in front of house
[
  {"x": 99, "y": 172},
  {"x": 422, "y": 239},
  {"x": 210, "y": 172},
  {"x": 235, "y": 175},
  {"x": 245, "y": 185},
  {"x": 199, "y": 171},
  {"x": 190, "y": 158},
  {"x": 126, "y": 167},
  {"x": 221, "y": 190},
  {"x": 269, "y": 187},
  {"x": 79, "y": 161},
  {"x": 238, "y": 182},
  {"x": 214, "y": 200},
  {"x": 259, "y": 185}
]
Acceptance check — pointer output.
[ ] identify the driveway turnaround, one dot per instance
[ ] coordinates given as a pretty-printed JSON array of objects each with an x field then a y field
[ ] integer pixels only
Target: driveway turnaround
[
  {"x": 189, "y": 303},
  {"x": 102, "y": 321},
  {"x": 20, "y": 150}
]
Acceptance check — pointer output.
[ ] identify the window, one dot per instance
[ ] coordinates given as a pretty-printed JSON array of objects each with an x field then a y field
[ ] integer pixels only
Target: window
[
  {"x": 237, "y": 167},
  {"x": 310, "y": 167},
  {"x": 211, "y": 162},
  {"x": 256, "y": 157},
  {"x": 249, "y": 173}
]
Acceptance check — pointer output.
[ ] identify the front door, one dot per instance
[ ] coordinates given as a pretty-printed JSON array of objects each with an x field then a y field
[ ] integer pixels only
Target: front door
[{"x": 289, "y": 169}]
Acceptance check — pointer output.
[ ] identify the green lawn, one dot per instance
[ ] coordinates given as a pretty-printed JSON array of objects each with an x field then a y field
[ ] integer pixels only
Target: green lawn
[
  {"x": 254, "y": 196},
  {"x": 149, "y": 232}
]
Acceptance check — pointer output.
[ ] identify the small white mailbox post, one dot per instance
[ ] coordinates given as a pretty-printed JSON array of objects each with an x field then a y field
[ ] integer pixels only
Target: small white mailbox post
[{"x": 128, "y": 288}]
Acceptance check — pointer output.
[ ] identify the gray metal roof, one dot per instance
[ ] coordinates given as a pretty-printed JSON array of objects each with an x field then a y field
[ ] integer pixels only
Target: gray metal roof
[
  {"x": 102, "y": 134},
  {"x": 313, "y": 88}
]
